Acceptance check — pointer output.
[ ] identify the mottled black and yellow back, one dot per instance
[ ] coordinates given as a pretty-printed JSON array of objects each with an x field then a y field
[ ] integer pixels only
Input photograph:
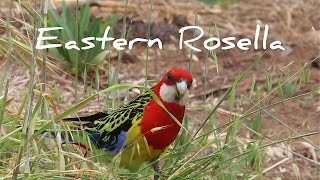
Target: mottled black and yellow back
[{"x": 108, "y": 129}]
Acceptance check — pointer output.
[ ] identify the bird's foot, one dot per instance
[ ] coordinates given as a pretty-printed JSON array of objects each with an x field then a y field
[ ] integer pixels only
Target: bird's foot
[{"x": 157, "y": 170}]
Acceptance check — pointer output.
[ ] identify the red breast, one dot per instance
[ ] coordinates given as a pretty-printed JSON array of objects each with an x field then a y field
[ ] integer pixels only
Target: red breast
[{"x": 158, "y": 127}]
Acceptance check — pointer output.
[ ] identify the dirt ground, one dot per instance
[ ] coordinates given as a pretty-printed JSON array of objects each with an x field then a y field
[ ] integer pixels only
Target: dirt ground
[{"x": 295, "y": 23}]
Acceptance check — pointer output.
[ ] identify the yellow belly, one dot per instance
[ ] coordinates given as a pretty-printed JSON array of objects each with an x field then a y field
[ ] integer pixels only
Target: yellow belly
[{"x": 137, "y": 150}]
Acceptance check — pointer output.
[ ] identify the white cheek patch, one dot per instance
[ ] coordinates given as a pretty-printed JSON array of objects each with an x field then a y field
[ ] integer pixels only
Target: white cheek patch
[{"x": 169, "y": 93}]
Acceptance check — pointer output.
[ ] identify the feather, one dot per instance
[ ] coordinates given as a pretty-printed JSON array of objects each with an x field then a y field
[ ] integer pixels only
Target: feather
[
  {"x": 108, "y": 129},
  {"x": 87, "y": 121}
]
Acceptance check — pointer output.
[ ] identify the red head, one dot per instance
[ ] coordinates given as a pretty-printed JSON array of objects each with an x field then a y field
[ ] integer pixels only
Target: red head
[
  {"x": 174, "y": 86},
  {"x": 173, "y": 90}
]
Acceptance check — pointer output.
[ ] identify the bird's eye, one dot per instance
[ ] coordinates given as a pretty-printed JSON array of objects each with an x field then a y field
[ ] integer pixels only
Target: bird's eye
[{"x": 170, "y": 77}]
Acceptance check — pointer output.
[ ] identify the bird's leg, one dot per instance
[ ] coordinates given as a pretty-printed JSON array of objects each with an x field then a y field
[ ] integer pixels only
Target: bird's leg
[{"x": 156, "y": 168}]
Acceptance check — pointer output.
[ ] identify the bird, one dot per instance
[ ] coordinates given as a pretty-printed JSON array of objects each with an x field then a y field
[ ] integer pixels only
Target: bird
[{"x": 141, "y": 130}]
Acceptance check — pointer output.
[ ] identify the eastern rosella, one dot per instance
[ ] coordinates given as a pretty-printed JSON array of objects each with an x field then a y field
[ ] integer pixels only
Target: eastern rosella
[{"x": 130, "y": 129}]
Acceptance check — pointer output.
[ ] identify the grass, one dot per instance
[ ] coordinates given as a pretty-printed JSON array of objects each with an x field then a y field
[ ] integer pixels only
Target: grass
[
  {"x": 221, "y": 2},
  {"x": 85, "y": 26},
  {"x": 26, "y": 154}
]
